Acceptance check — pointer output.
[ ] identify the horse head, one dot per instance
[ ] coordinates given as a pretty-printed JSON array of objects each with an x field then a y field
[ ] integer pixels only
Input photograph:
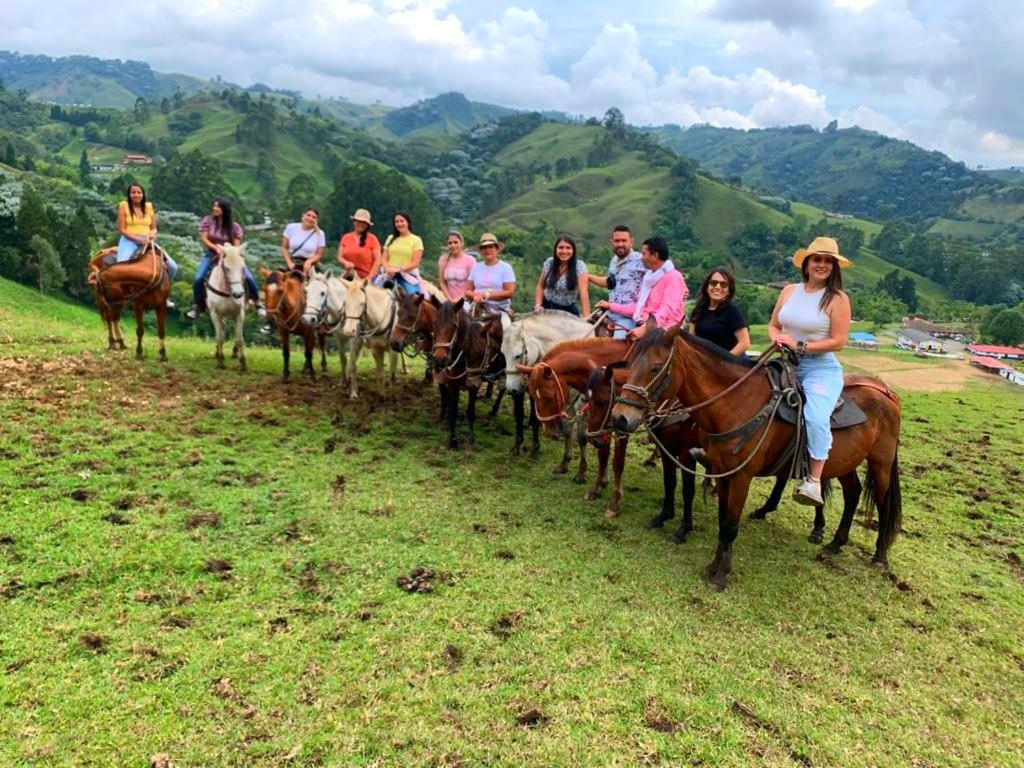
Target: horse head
[
  {"x": 316, "y": 299},
  {"x": 483, "y": 348},
  {"x": 449, "y": 329},
  {"x": 652, "y": 376},
  {"x": 407, "y": 321},
  {"x": 550, "y": 397},
  {"x": 355, "y": 306},
  {"x": 232, "y": 267}
]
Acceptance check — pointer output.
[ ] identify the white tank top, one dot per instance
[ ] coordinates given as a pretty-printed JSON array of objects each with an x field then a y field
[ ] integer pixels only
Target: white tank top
[{"x": 802, "y": 318}]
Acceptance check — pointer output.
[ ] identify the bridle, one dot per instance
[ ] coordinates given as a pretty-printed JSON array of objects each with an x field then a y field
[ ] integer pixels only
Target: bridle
[
  {"x": 485, "y": 362},
  {"x": 227, "y": 281},
  {"x": 412, "y": 334},
  {"x": 448, "y": 364},
  {"x": 294, "y": 318},
  {"x": 561, "y": 398},
  {"x": 603, "y": 430}
]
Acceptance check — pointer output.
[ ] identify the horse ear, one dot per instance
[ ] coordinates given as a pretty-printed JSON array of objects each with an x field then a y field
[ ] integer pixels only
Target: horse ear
[
  {"x": 526, "y": 370},
  {"x": 435, "y": 301},
  {"x": 264, "y": 273},
  {"x": 242, "y": 249},
  {"x": 329, "y": 274},
  {"x": 548, "y": 373},
  {"x": 417, "y": 298},
  {"x": 670, "y": 333},
  {"x": 651, "y": 323},
  {"x": 460, "y": 303},
  {"x": 607, "y": 374}
]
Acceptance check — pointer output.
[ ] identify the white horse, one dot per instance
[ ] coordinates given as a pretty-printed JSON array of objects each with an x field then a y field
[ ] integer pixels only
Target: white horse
[
  {"x": 369, "y": 315},
  {"x": 225, "y": 299},
  {"x": 524, "y": 342},
  {"x": 325, "y": 311}
]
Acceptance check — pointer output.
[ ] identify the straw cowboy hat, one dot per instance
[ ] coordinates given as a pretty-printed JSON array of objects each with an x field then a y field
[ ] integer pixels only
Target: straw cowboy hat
[
  {"x": 488, "y": 239},
  {"x": 821, "y": 246},
  {"x": 362, "y": 215}
]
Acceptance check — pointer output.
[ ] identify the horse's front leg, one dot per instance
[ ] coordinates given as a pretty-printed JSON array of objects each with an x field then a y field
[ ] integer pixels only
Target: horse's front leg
[
  {"x": 393, "y": 360},
  {"x": 519, "y": 416},
  {"x": 563, "y": 465},
  {"x": 453, "y": 413},
  {"x": 604, "y": 449},
  {"x": 309, "y": 344},
  {"x": 668, "y": 498},
  {"x": 581, "y": 443},
  {"x": 286, "y": 351},
  {"x": 689, "y": 491},
  {"x": 732, "y": 495},
  {"x": 535, "y": 431},
  {"x": 851, "y": 495},
  {"x": 497, "y": 402},
  {"x": 618, "y": 466},
  {"x": 139, "y": 330},
  {"x": 321, "y": 339},
  {"x": 378, "y": 362},
  {"x": 471, "y": 415},
  {"x": 218, "y": 330}
]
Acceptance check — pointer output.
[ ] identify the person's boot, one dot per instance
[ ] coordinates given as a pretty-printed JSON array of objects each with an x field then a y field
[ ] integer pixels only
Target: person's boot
[
  {"x": 809, "y": 493},
  {"x": 193, "y": 314}
]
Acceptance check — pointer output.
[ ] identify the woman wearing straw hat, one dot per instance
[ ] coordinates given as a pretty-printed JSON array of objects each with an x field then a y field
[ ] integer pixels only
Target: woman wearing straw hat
[
  {"x": 360, "y": 248},
  {"x": 812, "y": 318},
  {"x": 492, "y": 282}
]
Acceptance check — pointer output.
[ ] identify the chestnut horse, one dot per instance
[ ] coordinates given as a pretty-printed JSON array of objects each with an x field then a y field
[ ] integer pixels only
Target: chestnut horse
[
  {"x": 722, "y": 393},
  {"x": 568, "y": 366},
  {"x": 285, "y": 298},
  {"x": 676, "y": 437},
  {"x": 142, "y": 282},
  {"x": 448, "y": 352},
  {"x": 414, "y": 325}
]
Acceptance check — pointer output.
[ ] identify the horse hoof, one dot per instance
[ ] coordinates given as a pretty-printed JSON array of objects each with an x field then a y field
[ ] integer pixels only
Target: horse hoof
[
  {"x": 815, "y": 537},
  {"x": 122, "y": 345},
  {"x": 679, "y": 537},
  {"x": 559, "y": 470},
  {"x": 611, "y": 512},
  {"x": 592, "y": 495},
  {"x": 760, "y": 514},
  {"x": 138, "y": 357},
  {"x": 881, "y": 564},
  {"x": 718, "y": 583},
  {"x": 579, "y": 479},
  {"x": 659, "y": 520}
]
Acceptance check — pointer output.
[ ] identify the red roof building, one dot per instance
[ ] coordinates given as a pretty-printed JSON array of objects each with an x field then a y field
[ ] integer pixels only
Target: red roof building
[
  {"x": 994, "y": 350},
  {"x": 989, "y": 363}
]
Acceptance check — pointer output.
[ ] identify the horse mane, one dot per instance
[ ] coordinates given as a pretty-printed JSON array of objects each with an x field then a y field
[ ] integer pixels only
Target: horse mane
[{"x": 575, "y": 344}]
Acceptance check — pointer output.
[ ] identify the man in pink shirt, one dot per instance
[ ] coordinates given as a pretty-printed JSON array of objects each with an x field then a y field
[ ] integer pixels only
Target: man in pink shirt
[{"x": 662, "y": 291}]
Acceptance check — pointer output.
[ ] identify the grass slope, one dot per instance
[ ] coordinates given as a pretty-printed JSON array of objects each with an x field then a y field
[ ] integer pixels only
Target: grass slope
[
  {"x": 725, "y": 211},
  {"x": 126, "y": 490}
]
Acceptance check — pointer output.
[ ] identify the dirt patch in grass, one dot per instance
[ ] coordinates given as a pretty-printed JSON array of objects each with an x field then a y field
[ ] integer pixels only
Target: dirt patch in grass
[
  {"x": 421, "y": 579},
  {"x": 505, "y": 625},
  {"x": 200, "y": 519}
]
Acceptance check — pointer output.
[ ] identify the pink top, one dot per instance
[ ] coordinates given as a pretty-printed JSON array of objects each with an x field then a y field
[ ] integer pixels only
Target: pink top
[
  {"x": 665, "y": 301},
  {"x": 456, "y": 273}
]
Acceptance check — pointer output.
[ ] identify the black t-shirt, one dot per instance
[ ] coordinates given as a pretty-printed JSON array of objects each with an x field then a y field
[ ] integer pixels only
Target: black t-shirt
[{"x": 719, "y": 325}]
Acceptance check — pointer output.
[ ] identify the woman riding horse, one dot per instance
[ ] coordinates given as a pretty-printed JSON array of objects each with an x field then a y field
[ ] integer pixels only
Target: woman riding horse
[{"x": 812, "y": 318}]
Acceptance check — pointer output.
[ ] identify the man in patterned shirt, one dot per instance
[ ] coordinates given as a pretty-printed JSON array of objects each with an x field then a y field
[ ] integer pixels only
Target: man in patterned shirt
[{"x": 625, "y": 274}]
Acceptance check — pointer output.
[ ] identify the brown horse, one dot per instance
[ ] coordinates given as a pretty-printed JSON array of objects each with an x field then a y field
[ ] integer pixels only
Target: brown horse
[
  {"x": 448, "y": 353},
  {"x": 722, "y": 393},
  {"x": 285, "y": 300},
  {"x": 677, "y": 437},
  {"x": 568, "y": 366},
  {"x": 142, "y": 282},
  {"x": 414, "y": 324}
]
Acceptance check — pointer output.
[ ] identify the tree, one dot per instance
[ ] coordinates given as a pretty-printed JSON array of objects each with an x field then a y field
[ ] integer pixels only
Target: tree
[
  {"x": 1007, "y": 327},
  {"x": 84, "y": 169},
  {"x": 880, "y": 308},
  {"x": 300, "y": 193},
  {"x": 48, "y": 267},
  {"x": 73, "y": 241},
  {"x": 141, "y": 110},
  {"x": 266, "y": 177},
  {"x": 615, "y": 122},
  {"x": 32, "y": 219},
  {"x": 178, "y": 98},
  {"x": 10, "y": 158},
  {"x": 189, "y": 181},
  {"x": 165, "y": 105}
]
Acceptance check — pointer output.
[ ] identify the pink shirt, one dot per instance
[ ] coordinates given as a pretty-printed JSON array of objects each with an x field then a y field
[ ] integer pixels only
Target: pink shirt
[
  {"x": 665, "y": 301},
  {"x": 456, "y": 273}
]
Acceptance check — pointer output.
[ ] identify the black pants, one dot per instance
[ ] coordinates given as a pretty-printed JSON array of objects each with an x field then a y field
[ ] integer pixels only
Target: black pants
[{"x": 572, "y": 309}]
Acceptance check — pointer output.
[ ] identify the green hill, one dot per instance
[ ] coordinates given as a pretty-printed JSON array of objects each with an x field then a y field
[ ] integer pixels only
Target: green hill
[{"x": 850, "y": 170}]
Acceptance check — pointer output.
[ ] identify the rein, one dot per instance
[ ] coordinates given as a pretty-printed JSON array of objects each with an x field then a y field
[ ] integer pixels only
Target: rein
[
  {"x": 448, "y": 345},
  {"x": 562, "y": 394},
  {"x": 224, "y": 274},
  {"x": 413, "y": 335},
  {"x": 292, "y": 321}
]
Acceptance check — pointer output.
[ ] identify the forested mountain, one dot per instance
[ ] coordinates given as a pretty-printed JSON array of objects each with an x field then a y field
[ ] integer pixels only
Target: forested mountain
[
  {"x": 91, "y": 81},
  {"x": 849, "y": 170}
]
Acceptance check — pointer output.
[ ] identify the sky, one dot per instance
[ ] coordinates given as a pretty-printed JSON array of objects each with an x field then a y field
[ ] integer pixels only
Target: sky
[{"x": 945, "y": 74}]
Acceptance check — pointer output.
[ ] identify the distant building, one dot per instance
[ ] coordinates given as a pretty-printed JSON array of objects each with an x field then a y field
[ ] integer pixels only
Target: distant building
[
  {"x": 778, "y": 285},
  {"x": 136, "y": 159},
  {"x": 917, "y": 341},
  {"x": 1012, "y": 376},
  {"x": 106, "y": 167},
  {"x": 996, "y": 351},
  {"x": 939, "y": 331},
  {"x": 989, "y": 364},
  {"x": 863, "y": 340}
]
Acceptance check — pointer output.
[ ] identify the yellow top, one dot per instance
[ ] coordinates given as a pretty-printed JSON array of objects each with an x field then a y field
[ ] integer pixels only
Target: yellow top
[
  {"x": 139, "y": 226},
  {"x": 400, "y": 249}
]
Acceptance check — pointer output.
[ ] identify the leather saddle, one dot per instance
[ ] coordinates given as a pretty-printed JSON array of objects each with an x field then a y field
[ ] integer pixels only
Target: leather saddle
[{"x": 783, "y": 376}]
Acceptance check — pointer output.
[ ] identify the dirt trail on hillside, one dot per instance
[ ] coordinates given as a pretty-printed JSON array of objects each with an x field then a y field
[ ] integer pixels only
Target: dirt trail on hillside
[{"x": 924, "y": 376}]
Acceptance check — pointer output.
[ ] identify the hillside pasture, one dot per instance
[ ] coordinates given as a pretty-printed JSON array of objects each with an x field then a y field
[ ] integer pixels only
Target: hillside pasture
[{"x": 204, "y": 565}]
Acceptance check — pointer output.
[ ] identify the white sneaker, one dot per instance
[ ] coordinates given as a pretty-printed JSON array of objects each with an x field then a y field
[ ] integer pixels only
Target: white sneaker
[
  {"x": 171, "y": 304},
  {"x": 193, "y": 313},
  {"x": 809, "y": 493},
  {"x": 261, "y": 311}
]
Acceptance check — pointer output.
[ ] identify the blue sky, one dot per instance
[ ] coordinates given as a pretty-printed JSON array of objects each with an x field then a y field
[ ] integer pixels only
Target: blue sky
[{"x": 946, "y": 74}]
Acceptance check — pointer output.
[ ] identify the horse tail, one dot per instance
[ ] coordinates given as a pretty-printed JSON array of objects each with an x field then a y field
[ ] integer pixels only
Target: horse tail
[{"x": 890, "y": 510}]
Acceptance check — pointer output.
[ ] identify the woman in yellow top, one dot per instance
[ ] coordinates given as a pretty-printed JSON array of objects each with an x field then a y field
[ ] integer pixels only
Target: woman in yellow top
[
  {"x": 136, "y": 221},
  {"x": 403, "y": 252}
]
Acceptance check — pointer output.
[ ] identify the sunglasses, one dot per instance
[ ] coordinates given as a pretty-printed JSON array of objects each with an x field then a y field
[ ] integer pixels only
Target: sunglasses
[{"x": 718, "y": 283}]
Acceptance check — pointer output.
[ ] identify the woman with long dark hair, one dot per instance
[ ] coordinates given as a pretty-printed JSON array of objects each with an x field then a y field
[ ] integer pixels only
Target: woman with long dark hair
[
  {"x": 716, "y": 317},
  {"x": 359, "y": 249},
  {"x": 812, "y": 318},
  {"x": 563, "y": 280},
  {"x": 216, "y": 230},
  {"x": 454, "y": 267},
  {"x": 403, "y": 252}
]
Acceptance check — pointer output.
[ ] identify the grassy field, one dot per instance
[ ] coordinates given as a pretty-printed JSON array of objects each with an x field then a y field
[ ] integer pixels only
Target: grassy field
[{"x": 202, "y": 564}]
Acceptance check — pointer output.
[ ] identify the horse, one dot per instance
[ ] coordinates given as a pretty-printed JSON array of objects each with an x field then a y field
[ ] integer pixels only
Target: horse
[
  {"x": 484, "y": 361},
  {"x": 325, "y": 311},
  {"x": 284, "y": 297},
  {"x": 568, "y": 366},
  {"x": 225, "y": 290},
  {"x": 451, "y": 327},
  {"x": 524, "y": 342},
  {"x": 369, "y": 315},
  {"x": 733, "y": 405},
  {"x": 678, "y": 446},
  {"x": 142, "y": 282},
  {"x": 414, "y": 324}
]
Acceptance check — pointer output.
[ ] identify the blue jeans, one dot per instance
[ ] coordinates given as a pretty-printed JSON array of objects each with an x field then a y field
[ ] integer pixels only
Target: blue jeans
[
  {"x": 202, "y": 272},
  {"x": 627, "y": 323},
  {"x": 822, "y": 379}
]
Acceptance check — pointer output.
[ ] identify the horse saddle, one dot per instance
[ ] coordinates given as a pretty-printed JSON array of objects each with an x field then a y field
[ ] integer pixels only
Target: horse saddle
[{"x": 783, "y": 376}]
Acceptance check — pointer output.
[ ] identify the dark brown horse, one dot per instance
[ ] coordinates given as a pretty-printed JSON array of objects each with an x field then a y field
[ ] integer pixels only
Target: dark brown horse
[
  {"x": 677, "y": 438},
  {"x": 451, "y": 328},
  {"x": 285, "y": 299},
  {"x": 414, "y": 325},
  {"x": 567, "y": 366},
  {"x": 723, "y": 393},
  {"x": 484, "y": 361},
  {"x": 145, "y": 284}
]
